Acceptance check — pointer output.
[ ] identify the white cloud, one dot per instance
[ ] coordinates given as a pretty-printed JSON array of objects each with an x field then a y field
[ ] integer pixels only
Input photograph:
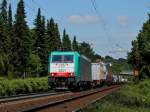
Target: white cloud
[
  {"x": 76, "y": 19},
  {"x": 122, "y": 20}
]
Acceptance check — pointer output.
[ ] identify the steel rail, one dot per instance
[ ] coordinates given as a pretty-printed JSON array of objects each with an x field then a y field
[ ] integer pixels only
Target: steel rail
[
  {"x": 29, "y": 96},
  {"x": 51, "y": 104}
]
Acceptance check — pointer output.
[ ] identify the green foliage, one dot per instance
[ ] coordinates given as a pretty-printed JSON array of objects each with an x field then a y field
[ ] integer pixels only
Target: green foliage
[
  {"x": 10, "y": 17},
  {"x": 35, "y": 64},
  {"x": 140, "y": 52},
  {"x": 4, "y": 12},
  {"x": 85, "y": 48},
  {"x": 58, "y": 39},
  {"x": 5, "y": 65},
  {"x": 66, "y": 43},
  {"x": 21, "y": 41},
  {"x": 130, "y": 98},
  {"x": 40, "y": 36},
  {"x": 116, "y": 68},
  {"x": 5, "y": 40},
  {"x": 53, "y": 36},
  {"x": 75, "y": 46},
  {"x": 20, "y": 86},
  {"x": 24, "y": 51},
  {"x": 118, "y": 65}
]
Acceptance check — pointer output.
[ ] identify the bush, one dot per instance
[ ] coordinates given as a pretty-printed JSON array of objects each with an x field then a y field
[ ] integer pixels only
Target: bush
[
  {"x": 23, "y": 86},
  {"x": 131, "y": 98}
]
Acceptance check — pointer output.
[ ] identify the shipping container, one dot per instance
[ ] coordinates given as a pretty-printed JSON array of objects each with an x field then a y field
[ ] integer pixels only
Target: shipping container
[{"x": 99, "y": 72}]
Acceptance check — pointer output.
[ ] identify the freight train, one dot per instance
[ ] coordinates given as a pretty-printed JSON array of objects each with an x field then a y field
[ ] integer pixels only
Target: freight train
[{"x": 73, "y": 70}]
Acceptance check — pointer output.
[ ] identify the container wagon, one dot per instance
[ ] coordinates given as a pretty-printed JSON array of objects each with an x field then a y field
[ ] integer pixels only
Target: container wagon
[
  {"x": 69, "y": 70},
  {"x": 99, "y": 73}
]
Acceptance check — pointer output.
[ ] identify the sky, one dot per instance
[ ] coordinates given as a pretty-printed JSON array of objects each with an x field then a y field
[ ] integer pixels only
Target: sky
[{"x": 109, "y": 29}]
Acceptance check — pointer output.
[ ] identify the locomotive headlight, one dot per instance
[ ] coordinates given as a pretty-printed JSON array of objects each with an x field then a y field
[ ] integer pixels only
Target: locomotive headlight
[
  {"x": 52, "y": 74},
  {"x": 71, "y": 74}
]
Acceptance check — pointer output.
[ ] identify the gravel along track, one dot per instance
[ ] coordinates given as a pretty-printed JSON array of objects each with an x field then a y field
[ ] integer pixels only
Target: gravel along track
[
  {"x": 73, "y": 101},
  {"x": 15, "y": 104},
  {"x": 28, "y": 96},
  {"x": 58, "y": 103},
  {"x": 78, "y": 102}
]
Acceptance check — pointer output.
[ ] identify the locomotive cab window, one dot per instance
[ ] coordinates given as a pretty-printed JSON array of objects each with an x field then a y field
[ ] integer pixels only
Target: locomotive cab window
[
  {"x": 62, "y": 59},
  {"x": 68, "y": 59},
  {"x": 57, "y": 58}
]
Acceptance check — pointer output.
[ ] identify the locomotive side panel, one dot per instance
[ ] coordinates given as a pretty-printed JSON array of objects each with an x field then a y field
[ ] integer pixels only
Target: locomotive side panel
[{"x": 84, "y": 69}]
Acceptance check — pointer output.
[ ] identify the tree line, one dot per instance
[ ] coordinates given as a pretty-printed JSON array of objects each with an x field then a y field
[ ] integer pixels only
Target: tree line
[
  {"x": 24, "y": 50},
  {"x": 139, "y": 56}
]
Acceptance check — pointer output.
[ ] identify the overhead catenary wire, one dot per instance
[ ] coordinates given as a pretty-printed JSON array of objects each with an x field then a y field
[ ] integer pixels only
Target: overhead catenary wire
[
  {"x": 103, "y": 23},
  {"x": 121, "y": 49},
  {"x": 94, "y": 4},
  {"x": 32, "y": 9},
  {"x": 95, "y": 7},
  {"x": 44, "y": 10},
  {"x": 39, "y": 6}
]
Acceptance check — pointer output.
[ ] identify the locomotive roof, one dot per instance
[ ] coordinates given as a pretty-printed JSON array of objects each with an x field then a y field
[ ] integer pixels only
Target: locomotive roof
[
  {"x": 69, "y": 52},
  {"x": 64, "y": 52}
]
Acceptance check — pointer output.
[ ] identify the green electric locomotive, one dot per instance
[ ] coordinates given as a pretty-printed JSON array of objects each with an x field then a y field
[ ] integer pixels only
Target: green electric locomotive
[{"x": 69, "y": 70}]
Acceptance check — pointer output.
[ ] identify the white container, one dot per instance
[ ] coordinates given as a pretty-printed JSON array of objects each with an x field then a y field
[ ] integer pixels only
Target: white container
[{"x": 98, "y": 71}]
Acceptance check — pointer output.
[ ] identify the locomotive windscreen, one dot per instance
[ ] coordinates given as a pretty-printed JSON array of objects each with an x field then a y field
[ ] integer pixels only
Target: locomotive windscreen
[
  {"x": 56, "y": 58},
  {"x": 62, "y": 59},
  {"x": 68, "y": 59}
]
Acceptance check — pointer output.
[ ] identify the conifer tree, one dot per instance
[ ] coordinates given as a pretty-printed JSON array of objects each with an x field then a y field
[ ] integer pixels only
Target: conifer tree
[
  {"x": 43, "y": 42},
  {"x": 22, "y": 52},
  {"x": 69, "y": 43},
  {"x": 44, "y": 47},
  {"x": 40, "y": 34},
  {"x": 75, "y": 44},
  {"x": 4, "y": 39},
  {"x": 10, "y": 17},
  {"x": 43, "y": 33},
  {"x": 37, "y": 29},
  {"x": 1, "y": 35},
  {"x": 3, "y": 26},
  {"x": 57, "y": 33},
  {"x": 40, "y": 39},
  {"x": 22, "y": 40},
  {"x": 53, "y": 35},
  {"x": 49, "y": 35},
  {"x": 66, "y": 43},
  {"x": 4, "y": 12},
  {"x": 1, "y": 31},
  {"x": 10, "y": 30}
]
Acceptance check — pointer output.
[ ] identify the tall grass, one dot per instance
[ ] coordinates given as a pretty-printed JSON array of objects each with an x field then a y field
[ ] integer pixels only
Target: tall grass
[
  {"x": 131, "y": 98},
  {"x": 22, "y": 86}
]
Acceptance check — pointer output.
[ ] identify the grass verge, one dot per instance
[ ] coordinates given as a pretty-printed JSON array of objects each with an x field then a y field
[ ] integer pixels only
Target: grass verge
[
  {"x": 131, "y": 98},
  {"x": 22, "y": 86}
]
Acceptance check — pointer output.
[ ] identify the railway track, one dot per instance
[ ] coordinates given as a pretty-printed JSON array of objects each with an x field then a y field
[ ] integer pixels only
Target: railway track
[
  {"x": 28, "y": 96},
  {"x": 58, "y": 102},
  {"x": 67, "y": 103}
]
